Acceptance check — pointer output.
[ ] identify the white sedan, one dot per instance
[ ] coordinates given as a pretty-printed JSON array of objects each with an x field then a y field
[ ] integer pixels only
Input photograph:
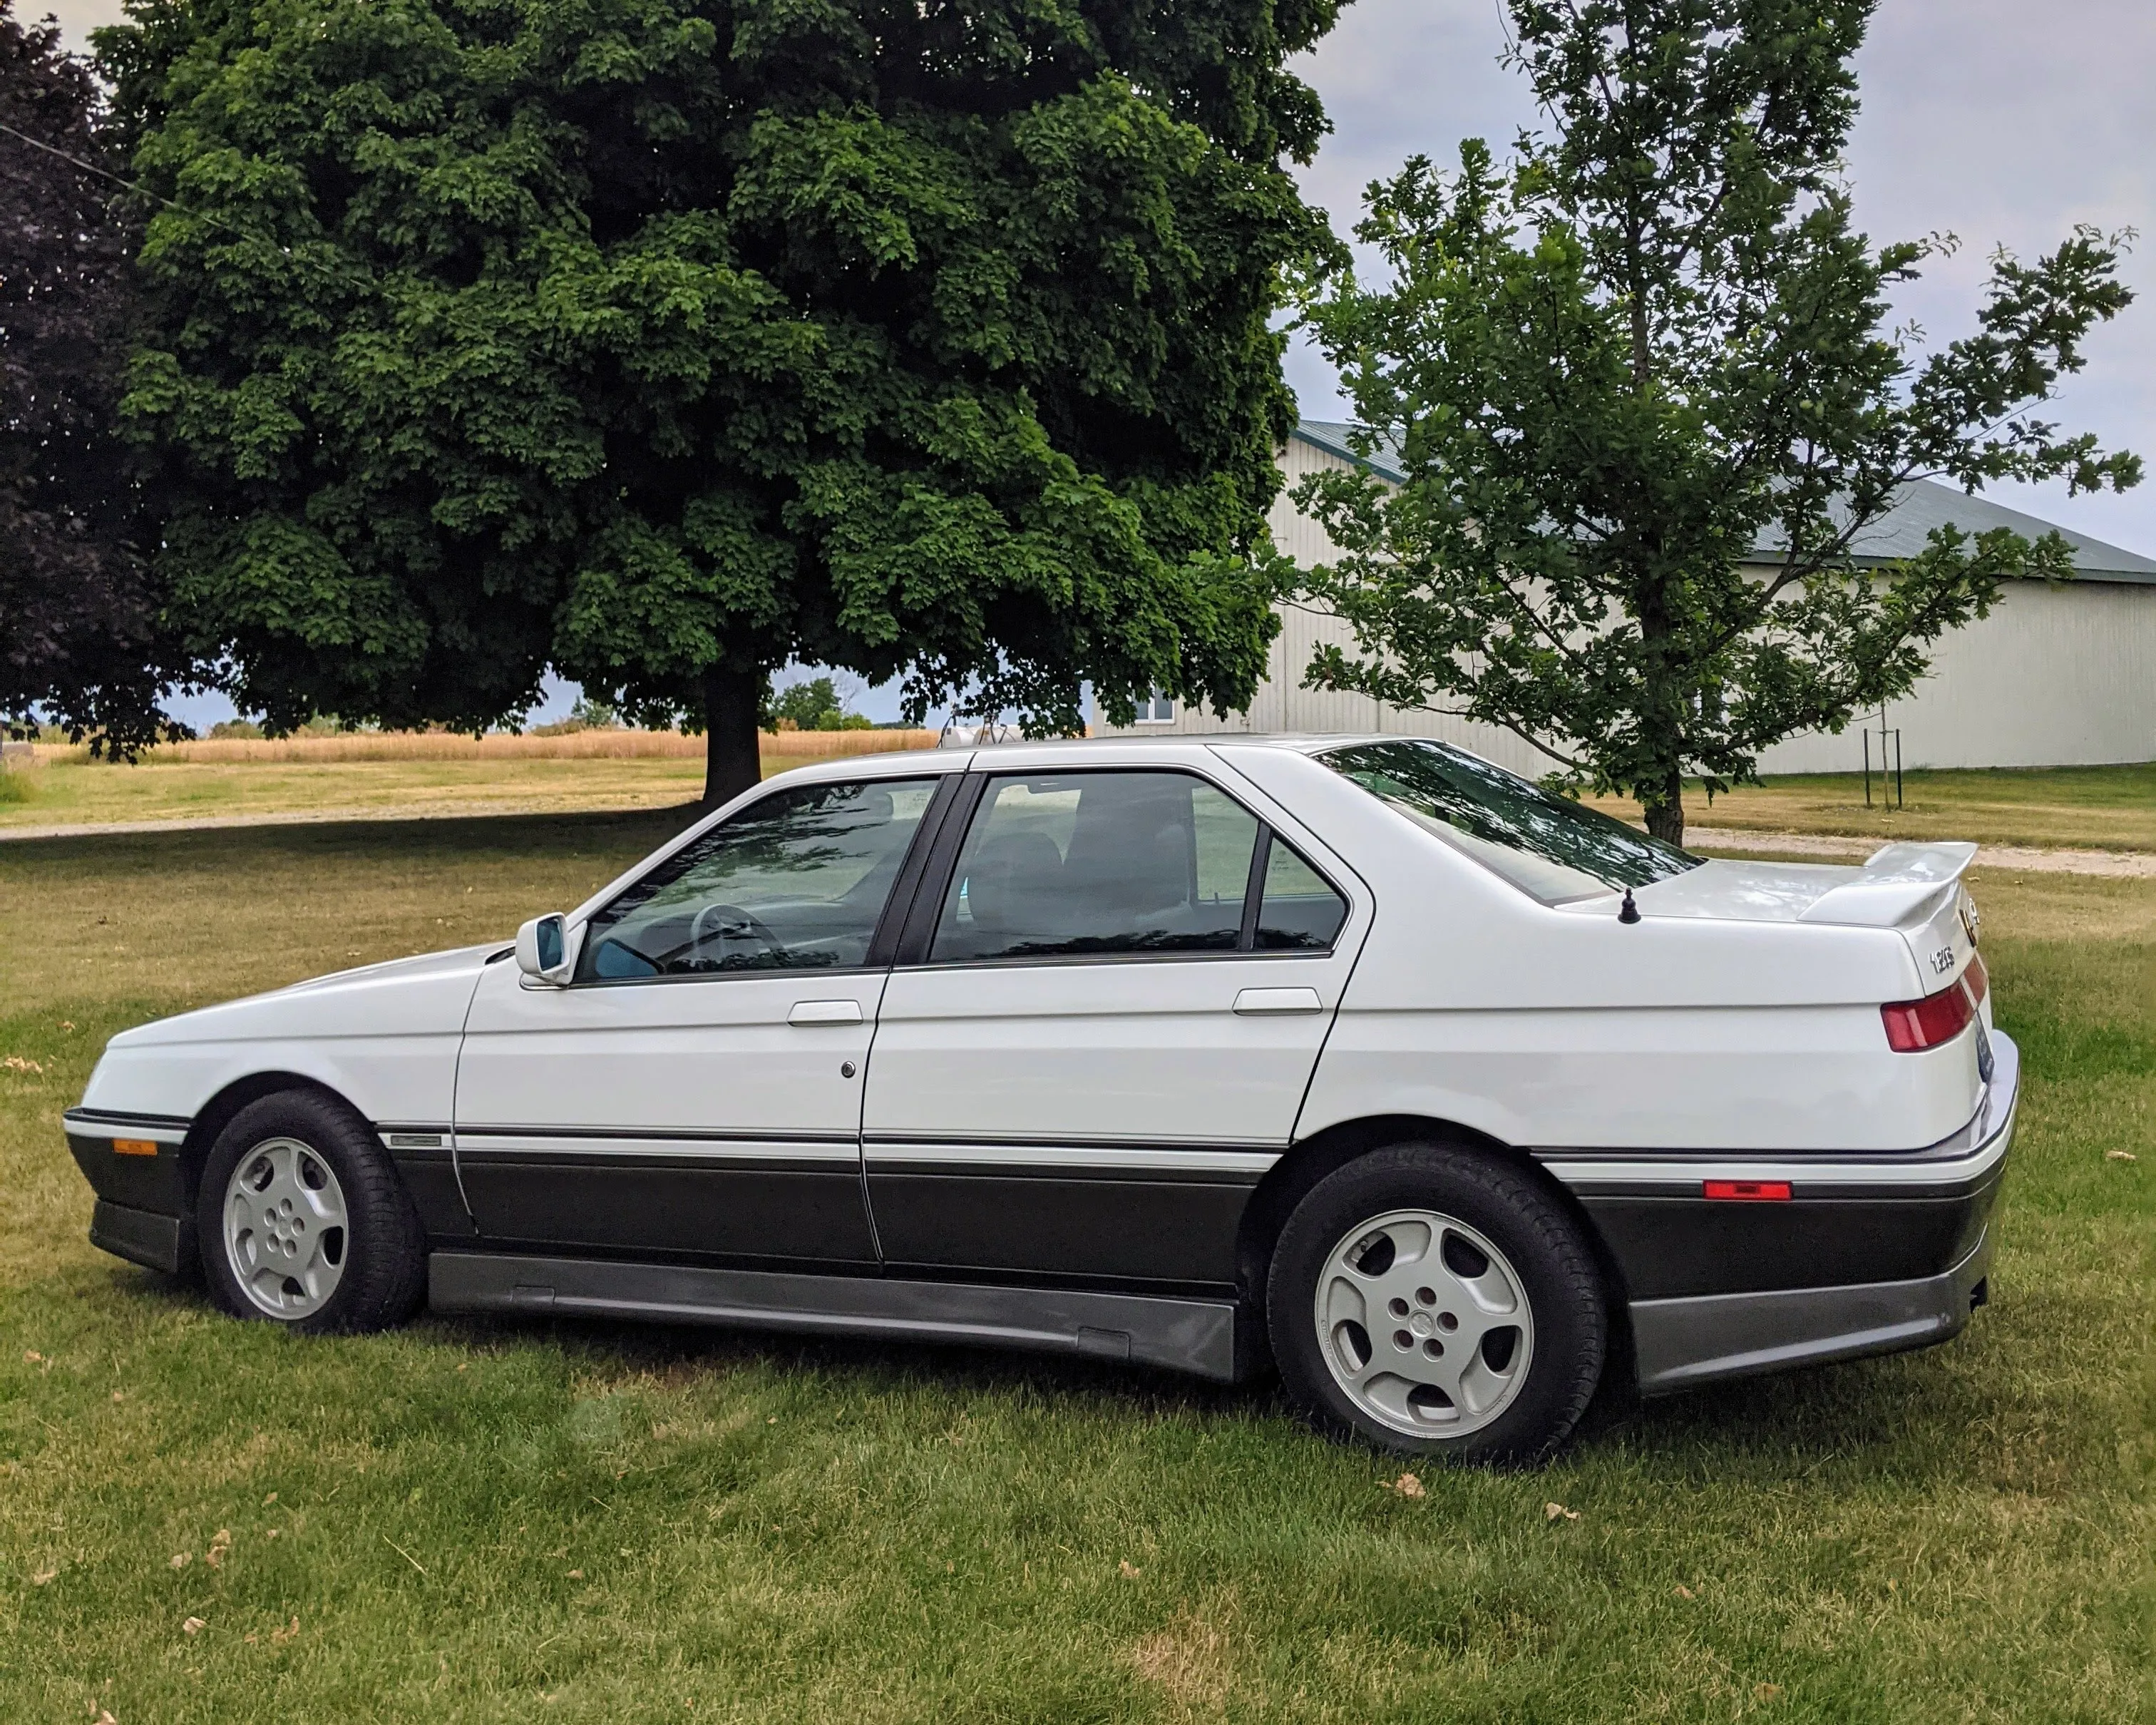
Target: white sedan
[{"x": 1360, "y": 1054}]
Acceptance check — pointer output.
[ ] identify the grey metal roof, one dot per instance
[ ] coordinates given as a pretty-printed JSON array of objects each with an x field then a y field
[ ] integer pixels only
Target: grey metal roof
[
  {"x": 1901, "y": 532},
  {"x": 1330, "y": 435}
]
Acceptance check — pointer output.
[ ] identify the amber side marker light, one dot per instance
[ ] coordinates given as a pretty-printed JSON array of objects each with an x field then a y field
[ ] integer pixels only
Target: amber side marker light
[
  {"x": 133, "y": 1146},
  {"x": 1747, "y": 1191}
]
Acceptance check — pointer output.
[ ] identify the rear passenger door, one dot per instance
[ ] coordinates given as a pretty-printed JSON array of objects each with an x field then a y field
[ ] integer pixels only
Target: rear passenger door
[{"x": 1108, "y": 1001}]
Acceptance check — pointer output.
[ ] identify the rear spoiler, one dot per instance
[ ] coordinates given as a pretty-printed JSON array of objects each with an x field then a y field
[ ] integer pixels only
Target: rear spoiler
[{"x": 1900, "y": 883}]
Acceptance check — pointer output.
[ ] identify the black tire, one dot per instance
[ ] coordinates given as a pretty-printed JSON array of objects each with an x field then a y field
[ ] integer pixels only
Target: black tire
[
  {"x": 1544, "y": 1247},
  {"x": 382, "y": 1258}
]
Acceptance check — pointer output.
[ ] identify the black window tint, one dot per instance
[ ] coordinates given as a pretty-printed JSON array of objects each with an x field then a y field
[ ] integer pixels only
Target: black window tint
[
  {"x": 1074, "y": 864},
  {"x": 1299, "y": 912},
  {"x": 1547, "y": 845},
  {"x": 794, "y": 882}
]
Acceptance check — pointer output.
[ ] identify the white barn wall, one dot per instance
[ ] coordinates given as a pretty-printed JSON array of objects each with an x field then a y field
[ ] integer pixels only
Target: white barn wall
[{"x": 2056, "y": 677}]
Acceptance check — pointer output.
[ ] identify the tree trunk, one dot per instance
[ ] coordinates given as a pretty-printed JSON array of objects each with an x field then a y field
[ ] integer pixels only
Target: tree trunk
[
  {"x": 1665, "y": 808},
  {"x": 732, "y": 760}
]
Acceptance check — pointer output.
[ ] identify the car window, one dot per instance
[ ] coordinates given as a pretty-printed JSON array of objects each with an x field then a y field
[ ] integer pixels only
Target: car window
[
  {"x": 1299, "y": 912},
  {"x": 796, "y": 881},
  {"x": 1547, "y": 845},
  {"x": 1064, "y": 866}
]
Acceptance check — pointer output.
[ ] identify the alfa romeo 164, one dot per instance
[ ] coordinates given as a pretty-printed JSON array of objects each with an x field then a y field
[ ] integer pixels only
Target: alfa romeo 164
[{"x": 1444, "y": 1094}]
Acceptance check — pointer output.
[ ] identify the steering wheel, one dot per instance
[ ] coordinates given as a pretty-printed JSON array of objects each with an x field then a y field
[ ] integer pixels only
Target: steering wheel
[{"x": 731, "y": 923}]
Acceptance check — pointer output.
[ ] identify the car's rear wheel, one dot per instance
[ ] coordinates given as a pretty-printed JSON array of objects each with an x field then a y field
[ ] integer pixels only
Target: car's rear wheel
[
  {"x": 1432, "y": 1300},
  {"x": 304, "y": 1221}
]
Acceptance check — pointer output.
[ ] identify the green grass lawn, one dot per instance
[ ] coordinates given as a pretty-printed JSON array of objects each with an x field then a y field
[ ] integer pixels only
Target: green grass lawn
[{"x": 552, "y": 1521}]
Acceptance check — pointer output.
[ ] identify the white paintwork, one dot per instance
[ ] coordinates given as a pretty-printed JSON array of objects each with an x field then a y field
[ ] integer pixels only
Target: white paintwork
[
  {"x": 384, "y": 1037},
  {"x": 1739, "y": 1014},
  {"x": 1564, "y": 1027},
  {"x": 1121, "y": 1050},
  {"x": 687, "y": 1055}
]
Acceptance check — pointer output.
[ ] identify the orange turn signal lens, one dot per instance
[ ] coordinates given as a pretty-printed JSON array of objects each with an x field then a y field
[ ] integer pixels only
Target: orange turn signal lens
[
  {"x": 133, "y": 1146},
  {"x": 1747, "y": 1191}
]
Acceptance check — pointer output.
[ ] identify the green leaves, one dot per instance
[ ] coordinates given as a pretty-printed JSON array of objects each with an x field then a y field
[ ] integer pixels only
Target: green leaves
[
  {"x": 1611, "y": 370},
  {"x": 654, "y": 337}
]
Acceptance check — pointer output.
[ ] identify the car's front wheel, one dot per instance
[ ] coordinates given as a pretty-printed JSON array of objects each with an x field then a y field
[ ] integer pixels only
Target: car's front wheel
[
  {"x": 304, "y": 1221},
  {"x": 1432, "y": 1300}
]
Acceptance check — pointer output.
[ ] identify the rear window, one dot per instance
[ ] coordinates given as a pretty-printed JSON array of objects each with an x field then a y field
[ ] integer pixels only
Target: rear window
[{"x": 1547, "y": 845}]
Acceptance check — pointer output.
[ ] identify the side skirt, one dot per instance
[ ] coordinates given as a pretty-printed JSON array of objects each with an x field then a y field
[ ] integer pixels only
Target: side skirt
[{"x": 1195, "y": 1335}]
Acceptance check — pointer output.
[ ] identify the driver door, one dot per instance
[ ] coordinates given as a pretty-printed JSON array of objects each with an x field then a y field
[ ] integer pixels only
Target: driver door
[{"x": 697, "y": 1089}]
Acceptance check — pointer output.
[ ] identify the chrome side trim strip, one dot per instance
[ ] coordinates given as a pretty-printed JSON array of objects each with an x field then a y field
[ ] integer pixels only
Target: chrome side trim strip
[
  {"x": 691, "y": 1135},
  {"x": 1138, "y": 1158},
  {"x": 479, "y": 1148},
  {"x": 1195, "y": 1335},
  {"x": 110, "y": 1127}
]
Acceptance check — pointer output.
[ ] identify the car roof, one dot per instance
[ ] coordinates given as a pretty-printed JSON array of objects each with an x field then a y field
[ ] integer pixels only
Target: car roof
[{"x": 1057, "y": 751}]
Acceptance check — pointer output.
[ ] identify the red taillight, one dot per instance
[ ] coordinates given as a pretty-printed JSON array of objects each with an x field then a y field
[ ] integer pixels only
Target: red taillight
[
  {"x": 1976, "y": 979},
  {"x": 1914, "y": 1025},
  {"x": 1747, "y": 1191}
]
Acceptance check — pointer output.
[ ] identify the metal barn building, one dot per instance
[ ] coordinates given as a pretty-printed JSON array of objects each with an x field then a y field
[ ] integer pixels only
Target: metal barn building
[{"x": 2061, "y": 676}]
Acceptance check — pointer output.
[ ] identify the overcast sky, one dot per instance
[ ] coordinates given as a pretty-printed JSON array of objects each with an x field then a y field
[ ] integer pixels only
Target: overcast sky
[{"x": 2005, "y": 121}]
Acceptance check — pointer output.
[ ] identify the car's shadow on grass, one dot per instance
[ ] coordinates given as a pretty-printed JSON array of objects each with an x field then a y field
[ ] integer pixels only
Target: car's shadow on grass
[
  {"x": 1940, "y": 1414},
  {"x": 1924, "y": 1414}
]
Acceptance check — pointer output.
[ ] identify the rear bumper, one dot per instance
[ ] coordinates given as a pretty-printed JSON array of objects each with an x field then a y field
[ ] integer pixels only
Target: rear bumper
[
  {"x": 1680, "y": 1342},
  {"x": 1870, "y": 1254}
]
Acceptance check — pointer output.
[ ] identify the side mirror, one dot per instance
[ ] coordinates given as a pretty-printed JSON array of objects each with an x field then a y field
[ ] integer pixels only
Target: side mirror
[{"x": 542, "y": 950}]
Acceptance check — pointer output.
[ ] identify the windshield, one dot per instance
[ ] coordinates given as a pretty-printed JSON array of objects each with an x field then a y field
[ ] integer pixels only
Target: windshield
[{"x": 1547, "y": 845}]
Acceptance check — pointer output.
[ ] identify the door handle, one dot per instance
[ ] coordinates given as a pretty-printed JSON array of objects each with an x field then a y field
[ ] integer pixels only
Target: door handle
[
  {"x": 1275, "y": 1003},
  {"x": 825, "y": 1012}
]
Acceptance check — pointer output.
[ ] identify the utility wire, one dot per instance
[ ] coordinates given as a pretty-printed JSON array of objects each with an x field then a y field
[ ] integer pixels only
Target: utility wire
[{"x": 132, "y": 185}]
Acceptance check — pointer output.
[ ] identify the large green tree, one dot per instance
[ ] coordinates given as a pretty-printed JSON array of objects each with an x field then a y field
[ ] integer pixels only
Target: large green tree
[
  {"x": 82, "y": 642},
  {"x": 1612, "y": 366},
  {"x": 669, "y": 340}
]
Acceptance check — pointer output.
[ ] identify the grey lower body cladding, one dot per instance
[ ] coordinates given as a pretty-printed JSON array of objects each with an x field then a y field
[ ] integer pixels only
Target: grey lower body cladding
[
  {"x": 1682, "y": 1343},
  {"x": 1196, "y": 1336}
]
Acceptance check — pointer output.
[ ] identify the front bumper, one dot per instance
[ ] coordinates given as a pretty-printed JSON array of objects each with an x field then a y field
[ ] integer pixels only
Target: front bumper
[
  {"x": 133, "y": 1163},
  {"x": 1871, "y": 1254}
]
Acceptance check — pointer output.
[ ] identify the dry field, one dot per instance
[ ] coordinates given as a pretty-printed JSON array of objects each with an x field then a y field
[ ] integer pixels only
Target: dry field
[
  {"x": 2103, "y": 808},
  {"x": 372, "y": 773}
]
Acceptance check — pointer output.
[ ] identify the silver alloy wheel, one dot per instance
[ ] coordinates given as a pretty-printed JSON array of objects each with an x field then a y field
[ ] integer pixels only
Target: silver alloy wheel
[
  {"x": 286, "y": 1235},
  {"x": 1423, "y": 1324}
]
